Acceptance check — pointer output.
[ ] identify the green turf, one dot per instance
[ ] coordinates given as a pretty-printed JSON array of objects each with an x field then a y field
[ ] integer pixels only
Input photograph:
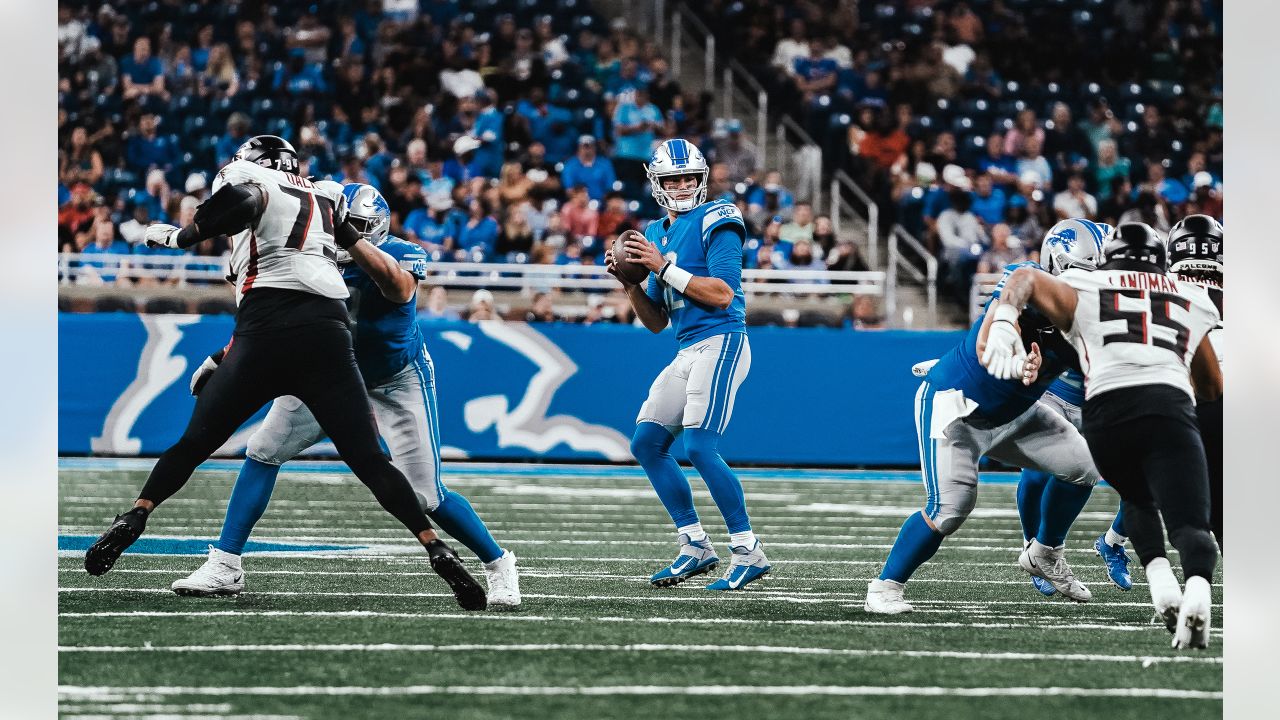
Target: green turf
[{"x": 591, "y": 624}]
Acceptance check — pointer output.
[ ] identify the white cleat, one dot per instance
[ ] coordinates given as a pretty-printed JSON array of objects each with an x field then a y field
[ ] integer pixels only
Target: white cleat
[
  {"x": 221, "y": 574},
  {"x": 884, "y": 597},
  {"x": 1195, "y": 616},
  {"x": 1166, "y": 596},
  {"x": 1050, "y": 563},
  {"x": 503, "y": 581}
]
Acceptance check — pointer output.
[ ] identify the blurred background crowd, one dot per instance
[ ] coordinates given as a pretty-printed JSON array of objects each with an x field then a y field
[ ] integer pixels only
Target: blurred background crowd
[{"x": 516, "y": 130}]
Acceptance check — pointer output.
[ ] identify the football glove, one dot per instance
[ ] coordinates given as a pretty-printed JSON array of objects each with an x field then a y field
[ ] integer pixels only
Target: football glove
[
  {"x": 1004, "y": 356},
  {"x": 205, "y": 371},
  {"x": 161, "y": 235}
]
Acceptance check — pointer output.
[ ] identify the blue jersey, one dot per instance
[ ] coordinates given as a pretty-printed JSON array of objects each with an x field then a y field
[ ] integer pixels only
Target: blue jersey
[
  {"x": 707, "y": 242},
  {"x": 1000, "y": 401},
  {"x": 386, "y": 334}
]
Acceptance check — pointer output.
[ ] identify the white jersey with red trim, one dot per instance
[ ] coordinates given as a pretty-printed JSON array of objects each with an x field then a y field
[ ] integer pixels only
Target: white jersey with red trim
[
  {"x": 1215, "y": 294},
  {"x": 291, "y": 245},
  {"x": 1135, "y": 328}
]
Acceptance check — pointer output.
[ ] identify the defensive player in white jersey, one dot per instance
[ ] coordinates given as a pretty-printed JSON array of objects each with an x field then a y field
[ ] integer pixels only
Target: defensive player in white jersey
[
  {"x": 291, "y": 338},
  {"x": 1143, "y": 342},
  {"x": 1195, "y": 256},
  {"x": 695, "y": 258},
  {"x": 382, "y": 276}
]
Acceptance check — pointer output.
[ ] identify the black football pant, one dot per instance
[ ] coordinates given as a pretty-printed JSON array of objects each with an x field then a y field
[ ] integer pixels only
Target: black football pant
[
  {"x": 1209, "y": 418},
  {"x": 1157, "y": 464},
  {"x": 316, "y": 364}
]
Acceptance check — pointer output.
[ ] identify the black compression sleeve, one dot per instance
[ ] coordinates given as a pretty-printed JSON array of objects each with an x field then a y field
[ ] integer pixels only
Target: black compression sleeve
[{"x": 228, "y": 211}]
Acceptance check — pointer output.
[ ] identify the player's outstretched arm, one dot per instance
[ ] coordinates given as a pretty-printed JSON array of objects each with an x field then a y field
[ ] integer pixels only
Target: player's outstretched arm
[
  {"x": 228, "y": 211},
  {"x": 396, "y": 284},
  {"x": 1206, "y": 373},
  {"x": 1052, "y": 297},
  {"x": 1000, "y": 348},
  {"x": 706, "y": 290}
]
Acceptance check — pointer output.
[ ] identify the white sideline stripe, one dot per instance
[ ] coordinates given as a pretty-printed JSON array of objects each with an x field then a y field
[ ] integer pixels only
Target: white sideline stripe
[
  {"x": 513, "y": 617},
  {"x": 607, "y": 690},
  {"x": 641, "y": 647},
  {"x": 693, "y": 594},
  {"x": 632, "y": 578},
  {"x": 267, "y": 532}
]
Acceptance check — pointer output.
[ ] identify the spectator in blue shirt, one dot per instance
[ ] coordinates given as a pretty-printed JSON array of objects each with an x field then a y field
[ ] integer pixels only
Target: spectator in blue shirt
[
  {"x": 815, "y": 74},
  {"x": 590, "y": 169},
  {"x": 488, "y": 129},
  {"x": 769, "y": 198},
  {"x": 463, "y": 165},
  {"x": 300, "y": 77},
  {"x": 478, "y": 236},
  {"x": 635, "y": 122},
  {"x": 154, "y": 196},
  {"x": 142, "y": 74},
  {"x": 1174, "y": 192},
  {"x": 1002, "y": 168},
  {"x": 237, "y": 132},
  {"x": 549, "y": 124},
  {"x": 989, "y": 201},
  {"x": 105, "y": 242},
  {"x": 631, "y": 76},
  {"x": 146, "y": 149}
]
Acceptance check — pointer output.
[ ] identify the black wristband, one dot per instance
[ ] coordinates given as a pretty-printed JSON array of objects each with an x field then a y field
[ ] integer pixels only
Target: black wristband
[{"x": 344, "y": 236}]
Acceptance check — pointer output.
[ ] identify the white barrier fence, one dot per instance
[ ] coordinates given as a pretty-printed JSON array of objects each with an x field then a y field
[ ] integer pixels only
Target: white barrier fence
[{"x": 76, "y": 269}]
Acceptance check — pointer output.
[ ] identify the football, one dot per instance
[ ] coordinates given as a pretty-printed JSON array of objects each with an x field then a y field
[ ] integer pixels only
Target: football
[{"x": 633, "y": 272}]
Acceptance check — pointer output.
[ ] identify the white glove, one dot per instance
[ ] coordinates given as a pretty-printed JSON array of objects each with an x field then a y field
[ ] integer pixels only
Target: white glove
[
  {"x": 202, "y": 374},
  {"x": 1004, "y": 355},
  {"x": 161, "y": 234}
]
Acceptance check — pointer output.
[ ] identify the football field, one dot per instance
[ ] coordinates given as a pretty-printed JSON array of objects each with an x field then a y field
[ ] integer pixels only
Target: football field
[{"x": 342, "y": 617}]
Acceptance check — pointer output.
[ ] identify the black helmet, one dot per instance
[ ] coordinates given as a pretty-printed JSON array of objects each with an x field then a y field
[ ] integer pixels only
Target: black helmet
[
  {"x": 1137, "y": 243},
  {"x": 1195, "y": 245},
  {"x": 269, "y": 151}
]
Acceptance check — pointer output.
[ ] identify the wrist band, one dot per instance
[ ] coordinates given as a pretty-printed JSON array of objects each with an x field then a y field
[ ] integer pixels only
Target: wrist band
[
  {"x": 676, "y": 277},
  {"x": 1005, "y": 313}
]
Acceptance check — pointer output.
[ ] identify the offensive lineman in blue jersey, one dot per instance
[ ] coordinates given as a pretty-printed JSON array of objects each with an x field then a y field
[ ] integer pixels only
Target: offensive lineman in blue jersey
[
  {"x": 962, "y": 414},
  {"x": 382, "y": 276},
  {"x": 1070, "y": 243},
  {"x": 695, "y": 258}
]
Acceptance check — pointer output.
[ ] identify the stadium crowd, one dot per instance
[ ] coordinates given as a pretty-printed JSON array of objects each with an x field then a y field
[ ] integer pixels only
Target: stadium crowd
[
  {"x": 983, "y": 122},
  {"x": 497, "y": 130}
]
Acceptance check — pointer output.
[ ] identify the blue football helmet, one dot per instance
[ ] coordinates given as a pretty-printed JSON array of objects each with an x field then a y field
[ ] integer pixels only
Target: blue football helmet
[
  {"x": 674, "y": 158},
  {"x": 1073, "y": 243},
  {"x": 368, "y": 212}
]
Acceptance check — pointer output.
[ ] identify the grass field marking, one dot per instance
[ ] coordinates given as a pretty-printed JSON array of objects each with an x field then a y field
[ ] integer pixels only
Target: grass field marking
[
  {"x": 536, "y": 573},
  {"x": 516, "y": 617},
  {"x": 610, "y": 690},
  {"x": 268, "y": 532},
  {"x": 640, "y": 647},
  {"x": 691, "y": 594}
]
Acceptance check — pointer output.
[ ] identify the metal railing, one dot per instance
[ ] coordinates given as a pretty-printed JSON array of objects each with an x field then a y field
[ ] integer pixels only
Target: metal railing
[
  {"x": 899, "y": 238},
  {"x": 980, "y": 292},
  {"x": 78, "y": 268},
  {"x": 841, "y": 179}
]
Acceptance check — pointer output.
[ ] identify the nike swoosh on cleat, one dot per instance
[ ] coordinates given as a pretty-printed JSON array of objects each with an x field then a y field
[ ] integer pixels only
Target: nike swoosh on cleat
[{"x": 677, "y": 570}]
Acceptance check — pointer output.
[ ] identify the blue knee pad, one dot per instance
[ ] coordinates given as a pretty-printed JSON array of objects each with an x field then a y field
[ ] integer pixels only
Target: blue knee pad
[
  {"x": 651, "y": 446},
  {"x": 703, "y": 449}
]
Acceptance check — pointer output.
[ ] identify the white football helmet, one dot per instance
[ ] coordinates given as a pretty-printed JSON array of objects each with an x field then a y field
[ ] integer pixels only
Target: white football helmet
[
  {"x": 673, "y": 158},
  {"x": 1073, "y": 243}
]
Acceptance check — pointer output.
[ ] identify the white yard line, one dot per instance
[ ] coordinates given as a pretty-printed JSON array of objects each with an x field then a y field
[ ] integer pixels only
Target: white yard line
[
  {"x": 519, "y": 617},
  {"x": 71, "y": 691},
  {"x": 644, "y": 647}
]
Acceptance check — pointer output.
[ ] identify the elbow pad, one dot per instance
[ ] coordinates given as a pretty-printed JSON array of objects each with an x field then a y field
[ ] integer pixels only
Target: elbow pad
[{"x": 228, "y": 211}]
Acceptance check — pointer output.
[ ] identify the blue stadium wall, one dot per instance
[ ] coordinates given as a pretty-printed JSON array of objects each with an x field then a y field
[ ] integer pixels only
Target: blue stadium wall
[{"x": 815, "y": 396}]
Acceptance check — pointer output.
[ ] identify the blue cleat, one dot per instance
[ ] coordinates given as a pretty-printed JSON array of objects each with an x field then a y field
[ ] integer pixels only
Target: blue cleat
[
  {"x": 1117, "y": 562},
  {"x": 695, "y": 558},
  {"x": 1045, "y": 587},
  {"x": 747, "y": 565}
]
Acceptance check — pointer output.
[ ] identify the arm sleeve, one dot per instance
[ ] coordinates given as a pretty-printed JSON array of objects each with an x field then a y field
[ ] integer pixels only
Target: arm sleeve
[
  {"x": 228, "y": 211},
  {"x": 724, "y": 256}
]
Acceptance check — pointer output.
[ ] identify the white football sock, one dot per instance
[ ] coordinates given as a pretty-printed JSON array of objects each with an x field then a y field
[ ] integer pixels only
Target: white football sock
[
  {"x": 694, "y": 531},
  {"x": 1112, "y": 538},
  {"x": 745, "y": 539}
]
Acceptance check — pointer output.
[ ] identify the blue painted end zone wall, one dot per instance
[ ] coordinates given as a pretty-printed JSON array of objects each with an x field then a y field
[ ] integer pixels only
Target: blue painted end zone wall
[{"x": 815, "y": 396}]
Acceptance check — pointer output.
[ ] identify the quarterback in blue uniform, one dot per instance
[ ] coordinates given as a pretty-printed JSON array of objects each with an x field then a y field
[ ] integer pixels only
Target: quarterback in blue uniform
[
  {"x": 1070, "y": 243},
  {"x": 398, "y": 372},
  {"x": 964, "y": 413},
  {"x": 694, "y": 255}
]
